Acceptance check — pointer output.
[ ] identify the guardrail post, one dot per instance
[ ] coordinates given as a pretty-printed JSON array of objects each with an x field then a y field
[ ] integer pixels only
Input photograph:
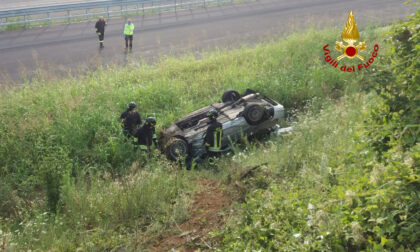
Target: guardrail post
[
  {"x": 122, "y": 9},
  {"x": 163, "y": 5},
  {"x": 126, "y": 8}
]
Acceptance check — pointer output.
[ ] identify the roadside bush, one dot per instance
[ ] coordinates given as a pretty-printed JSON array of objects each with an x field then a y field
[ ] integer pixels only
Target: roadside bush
[
  {"x": 9, "y": 201},
  {"x": 353, "y": 188},
  {"x": 328, "y": 193},
  {"x": 293, "y": 214},
  {"x": 397, "y": 81}
]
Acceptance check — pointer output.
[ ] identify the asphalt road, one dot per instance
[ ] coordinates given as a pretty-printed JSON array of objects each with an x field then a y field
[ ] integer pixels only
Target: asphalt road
[{"x": 72, "y": 49}]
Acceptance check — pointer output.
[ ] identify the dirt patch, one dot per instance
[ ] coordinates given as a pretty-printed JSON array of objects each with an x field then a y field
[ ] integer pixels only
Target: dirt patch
[{"x": 206, "y": 216}]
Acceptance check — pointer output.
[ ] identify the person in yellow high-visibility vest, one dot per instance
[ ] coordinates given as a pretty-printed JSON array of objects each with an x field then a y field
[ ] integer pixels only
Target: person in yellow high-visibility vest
[{"x": 128, "y": 33}]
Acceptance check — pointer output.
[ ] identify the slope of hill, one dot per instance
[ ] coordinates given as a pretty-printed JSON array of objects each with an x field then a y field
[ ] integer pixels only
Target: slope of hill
[{"x": 70, "y": 180}]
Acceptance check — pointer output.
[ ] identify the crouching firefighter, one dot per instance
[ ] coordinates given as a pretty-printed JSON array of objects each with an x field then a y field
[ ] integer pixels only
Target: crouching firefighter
[
  {"x": 212, "y": 142},
  {"x": 131, "y": 120},
  {"x": 213, "y": 137},
  {"x": 146, "y": 135}
]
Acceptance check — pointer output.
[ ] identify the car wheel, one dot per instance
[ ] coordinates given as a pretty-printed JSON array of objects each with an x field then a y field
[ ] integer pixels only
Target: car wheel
[
  {"x": 254, "y": 114},
  {"x": 248, "y": 92},
  {"x": 230, "y": 96},
  {"x": 176, "y": 148}
]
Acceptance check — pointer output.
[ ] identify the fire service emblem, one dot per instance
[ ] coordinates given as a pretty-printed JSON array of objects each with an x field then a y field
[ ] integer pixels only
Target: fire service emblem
[
  {"x": 350, "y": 48},
  {"x": 350, "y": 35}
]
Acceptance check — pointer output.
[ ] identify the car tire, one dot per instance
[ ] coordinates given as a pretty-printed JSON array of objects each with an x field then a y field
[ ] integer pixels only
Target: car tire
[
  {"x": 176, "y": 148},
  {"x": 248, "y": 92},
  {"x": 231, "y": 96},
  {"x": 254, "y": 114}
]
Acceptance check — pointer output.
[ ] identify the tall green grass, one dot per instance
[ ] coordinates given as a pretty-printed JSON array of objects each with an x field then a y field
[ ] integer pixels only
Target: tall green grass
[
  {"x": 324, "y": 189},
  {"x": 78, "y": 118},
  {"x": 305, "y": 167},
  {"x": 347, "y": 179},
  {"x": 72, "y": 180},
  {"x": 106, "y": 213}
]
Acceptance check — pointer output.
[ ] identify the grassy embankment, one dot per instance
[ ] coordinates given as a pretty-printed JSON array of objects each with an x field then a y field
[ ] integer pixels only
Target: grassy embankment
[
  {"x": 348, "y": 179},
  {"x": 70, "y": 180}
]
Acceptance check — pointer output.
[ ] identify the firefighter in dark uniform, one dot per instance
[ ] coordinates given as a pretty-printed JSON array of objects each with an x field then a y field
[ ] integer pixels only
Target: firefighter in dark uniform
[
  {"x": 213, "y": 137},
  {"x": 146, "y": 135},
  {"x": 100, "y": 30},
  {"x": 130, "y": 119},
  {"x": 212, "y": 141}
]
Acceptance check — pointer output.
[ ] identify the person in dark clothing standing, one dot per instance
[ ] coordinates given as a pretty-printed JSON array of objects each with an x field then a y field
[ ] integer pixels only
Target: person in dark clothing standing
[
  {"x": 213, "y": 137},
  {"x": 146, "y": 134},
  {"x": 130, "y": 120},
  {"x": 100, "y": 30}
]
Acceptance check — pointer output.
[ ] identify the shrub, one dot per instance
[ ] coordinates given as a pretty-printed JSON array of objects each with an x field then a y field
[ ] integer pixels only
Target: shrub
[
  {"x": 9, "y": 201},
  {"x": 347, "y": 189},
  {"x": 397, "y": 81}
]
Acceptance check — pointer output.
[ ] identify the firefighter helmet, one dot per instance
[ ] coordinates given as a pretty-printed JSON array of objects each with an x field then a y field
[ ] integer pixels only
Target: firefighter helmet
[
  {"x": 132, "y": 105},
  {"x": 150, "y": 121},
  {"x": 212, "y": 114}
]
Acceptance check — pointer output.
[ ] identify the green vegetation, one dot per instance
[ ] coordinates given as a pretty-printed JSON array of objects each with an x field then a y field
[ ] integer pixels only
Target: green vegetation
[
  {"x": 69, "y": 179},
  {"x": 348, "y": 179},
  {"x": 327, "y": 192}
]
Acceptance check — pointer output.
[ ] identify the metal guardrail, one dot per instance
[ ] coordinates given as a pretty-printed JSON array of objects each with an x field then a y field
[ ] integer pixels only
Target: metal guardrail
[{"x": 42, "y": 14}]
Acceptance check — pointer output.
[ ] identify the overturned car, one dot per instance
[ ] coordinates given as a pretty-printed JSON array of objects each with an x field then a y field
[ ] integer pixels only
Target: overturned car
[{"x": 246, "y": 114}]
